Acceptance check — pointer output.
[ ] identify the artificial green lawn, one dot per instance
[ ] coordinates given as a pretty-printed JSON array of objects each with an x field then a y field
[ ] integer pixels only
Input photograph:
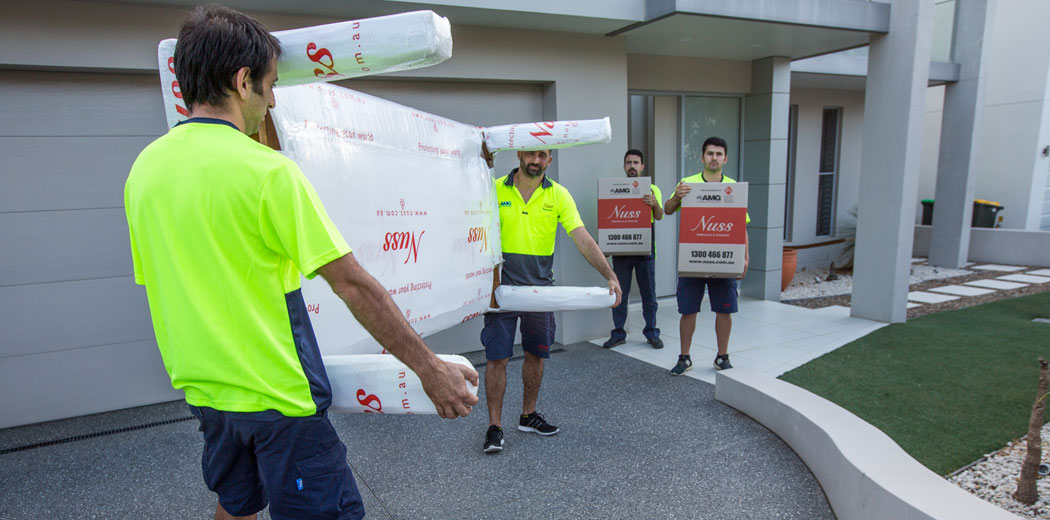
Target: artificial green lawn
[{"x": 947, "y": 387}]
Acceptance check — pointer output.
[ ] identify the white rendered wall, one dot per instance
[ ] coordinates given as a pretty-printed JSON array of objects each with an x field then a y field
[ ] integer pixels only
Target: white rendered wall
[
  {"x": 811, "y": 104},
  {"x": 1011, "y": 169}
]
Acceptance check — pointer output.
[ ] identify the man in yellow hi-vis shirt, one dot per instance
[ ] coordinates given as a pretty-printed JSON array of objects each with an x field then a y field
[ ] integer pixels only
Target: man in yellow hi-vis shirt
[
  {"x": 530, "y": 208},
  {"x": 643, "y": 266},
  {"x": 220, "y": 228},
  {"x": 722, "y": 291}
]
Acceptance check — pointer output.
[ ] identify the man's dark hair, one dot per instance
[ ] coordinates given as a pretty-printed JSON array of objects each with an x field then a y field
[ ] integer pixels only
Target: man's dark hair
[
  {"x": 715, "y": 141},
  {"x": 214, "y": 43},
  {"x": 632, "y": 151}
]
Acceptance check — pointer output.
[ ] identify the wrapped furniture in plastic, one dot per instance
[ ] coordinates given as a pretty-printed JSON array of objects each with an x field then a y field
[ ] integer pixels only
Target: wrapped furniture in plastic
[
  {"x": 336, "y": 51},
  {"x": 379, "y": 383}
]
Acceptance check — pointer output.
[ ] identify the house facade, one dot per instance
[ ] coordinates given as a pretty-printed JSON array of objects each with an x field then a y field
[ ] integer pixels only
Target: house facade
[{"x": 81, "y": 98}]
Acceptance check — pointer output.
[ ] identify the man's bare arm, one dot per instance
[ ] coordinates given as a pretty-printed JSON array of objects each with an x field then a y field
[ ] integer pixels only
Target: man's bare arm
[
  {"x": 590, "y": 250},
  {"x": 376, "y": 311},
  {"x": 675, "y": 201}
]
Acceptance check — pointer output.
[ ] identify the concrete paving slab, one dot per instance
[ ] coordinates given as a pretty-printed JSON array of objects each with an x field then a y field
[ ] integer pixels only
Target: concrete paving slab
[
  {"x": 912, "y": 305},
  {"x": 998, "y": 267},
  {"x": 1040, "y": 272},
  {"x": 925, "y": 297},
  {"x": 961, "y": 290},
  {"x": 1024, "y": 278},
  {"x": 996, "y": 284}
]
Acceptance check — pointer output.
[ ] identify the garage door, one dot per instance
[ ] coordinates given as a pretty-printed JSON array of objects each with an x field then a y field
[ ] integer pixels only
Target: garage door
[{"x": 77, "y": 337}]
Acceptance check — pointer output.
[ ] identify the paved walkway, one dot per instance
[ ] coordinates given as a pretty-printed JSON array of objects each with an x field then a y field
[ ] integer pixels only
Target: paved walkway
[
  {"x": 948, "y": 292},
  {"x": 769, "y": 337}
]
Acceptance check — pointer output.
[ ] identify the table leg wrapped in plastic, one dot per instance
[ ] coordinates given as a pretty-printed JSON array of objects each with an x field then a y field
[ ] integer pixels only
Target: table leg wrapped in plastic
[{"x": 380, "y": 383}]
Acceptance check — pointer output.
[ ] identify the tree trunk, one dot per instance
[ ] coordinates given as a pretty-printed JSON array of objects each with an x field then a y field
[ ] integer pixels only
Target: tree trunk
[{"x": 1026, "y": 491}]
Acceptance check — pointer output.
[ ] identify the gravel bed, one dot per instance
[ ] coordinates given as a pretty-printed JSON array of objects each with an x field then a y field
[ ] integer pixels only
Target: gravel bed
[
  {"x": 994, "y": 478},
  {"x": 813, "y": 283},
  {"x": 811, "y": 288}
]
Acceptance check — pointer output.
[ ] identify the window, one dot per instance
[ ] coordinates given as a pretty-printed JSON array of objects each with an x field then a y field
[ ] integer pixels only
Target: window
[{"x": 829, "y": 160}]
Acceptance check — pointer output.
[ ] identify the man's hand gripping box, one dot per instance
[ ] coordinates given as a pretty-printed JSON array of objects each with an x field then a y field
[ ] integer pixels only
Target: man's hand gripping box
[
  {"x": 624, "y": 221},
  {"x": 712, "y": 231}
]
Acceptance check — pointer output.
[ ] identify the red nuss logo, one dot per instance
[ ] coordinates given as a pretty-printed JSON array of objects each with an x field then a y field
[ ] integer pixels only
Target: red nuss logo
[
  {"x": 635, "y": 184},
  {"x": 729, "y": 190},
  {"x": 369, "y": 401},
  {"x": 478, "y": 234},
  {"x": 712, "y": 226},
  {"x": 621, "y": 212},
  {"x": 408, "y": 240}
]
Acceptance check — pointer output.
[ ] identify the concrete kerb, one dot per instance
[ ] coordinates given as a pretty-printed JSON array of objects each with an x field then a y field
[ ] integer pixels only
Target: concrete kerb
[{"x": 865, "y": 475}]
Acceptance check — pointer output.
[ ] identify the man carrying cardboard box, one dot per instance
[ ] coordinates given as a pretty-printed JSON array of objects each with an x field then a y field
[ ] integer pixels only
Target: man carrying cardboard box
[
  {"x": 221, "y": 228},
  {"x": 721, "y": 291},
  {"x": 641, "y": 265}
]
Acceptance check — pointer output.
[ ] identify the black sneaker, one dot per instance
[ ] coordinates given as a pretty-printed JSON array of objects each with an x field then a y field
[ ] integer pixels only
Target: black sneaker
[
  {"x": 684, "y": 365},
  {"x": 722, "y": 362},
  {"x": 494, "y": 439},
  {"x": 613, "y": 342},
  {"x": 656, "y": 342},
  {"x": 534, "y": 422}
]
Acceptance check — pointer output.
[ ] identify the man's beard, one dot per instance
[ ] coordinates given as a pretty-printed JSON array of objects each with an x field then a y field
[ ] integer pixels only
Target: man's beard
[
  {"x": 533, "y": 171},
  {"x": 632, "y": 172}
]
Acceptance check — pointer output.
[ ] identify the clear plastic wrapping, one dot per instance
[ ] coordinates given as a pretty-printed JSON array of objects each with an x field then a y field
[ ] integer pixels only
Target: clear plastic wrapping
[
  {"x": 524, "y": 298},
  {"x": 337, "y": 51},
  {"x": 547, "y": 135},
  {"x": 380, "y": 383},
  {"x": 411, "y": 194}
]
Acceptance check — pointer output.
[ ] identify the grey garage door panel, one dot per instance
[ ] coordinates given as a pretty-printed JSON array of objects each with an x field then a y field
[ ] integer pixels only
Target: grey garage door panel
[
  {"x": 49, "y": 173},
  {"x": 55, "y": 385},
  {"x": 80, "y": 104},
  {"x": 69, "y": 315},
  {"x": 54, "y": 246}
]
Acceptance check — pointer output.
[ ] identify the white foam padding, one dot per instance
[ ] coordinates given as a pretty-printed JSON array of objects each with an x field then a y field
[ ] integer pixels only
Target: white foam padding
[
  {"x": 337, "y": 51},
  {"x": 411, "y": 194},
  {"x": 547, "y": 135},
  {"x": 380, "y": 383},
  {"x": 524, "y": 298}
]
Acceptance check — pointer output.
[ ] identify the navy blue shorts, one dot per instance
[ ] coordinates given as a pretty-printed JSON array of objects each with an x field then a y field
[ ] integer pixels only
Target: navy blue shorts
[
  {"x": 537, "y": 334},
  {"x": 722, "y": 293},
  {"x": 297, "y": 464}
]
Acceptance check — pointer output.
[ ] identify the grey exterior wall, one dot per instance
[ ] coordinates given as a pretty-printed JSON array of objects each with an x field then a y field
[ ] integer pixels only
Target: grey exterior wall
[{"x": 997, "y": 246}]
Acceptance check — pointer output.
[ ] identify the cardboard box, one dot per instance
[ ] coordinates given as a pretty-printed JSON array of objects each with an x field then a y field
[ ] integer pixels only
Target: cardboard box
[
  {"x": 624, "y": 221},
  {"x": 712, "y": 230}
]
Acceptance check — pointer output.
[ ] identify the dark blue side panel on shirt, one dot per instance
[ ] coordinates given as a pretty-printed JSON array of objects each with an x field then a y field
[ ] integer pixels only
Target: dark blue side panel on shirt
[{"x": 309, "y": 353}]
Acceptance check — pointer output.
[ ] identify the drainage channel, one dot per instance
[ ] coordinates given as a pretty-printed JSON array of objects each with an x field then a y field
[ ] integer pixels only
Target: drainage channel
[{"x": 76, "y": 438}]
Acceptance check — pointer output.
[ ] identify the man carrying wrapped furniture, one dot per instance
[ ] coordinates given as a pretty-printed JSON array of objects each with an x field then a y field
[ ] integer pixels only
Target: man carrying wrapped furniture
[
  {"x": 221, "y": 227},
  {"x": 530, "y": 208},
  {"x": 643, "y": 266}
]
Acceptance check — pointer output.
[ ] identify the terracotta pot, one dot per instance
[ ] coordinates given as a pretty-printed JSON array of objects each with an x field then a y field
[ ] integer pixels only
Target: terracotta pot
[{"x": 788, "y": 267}]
